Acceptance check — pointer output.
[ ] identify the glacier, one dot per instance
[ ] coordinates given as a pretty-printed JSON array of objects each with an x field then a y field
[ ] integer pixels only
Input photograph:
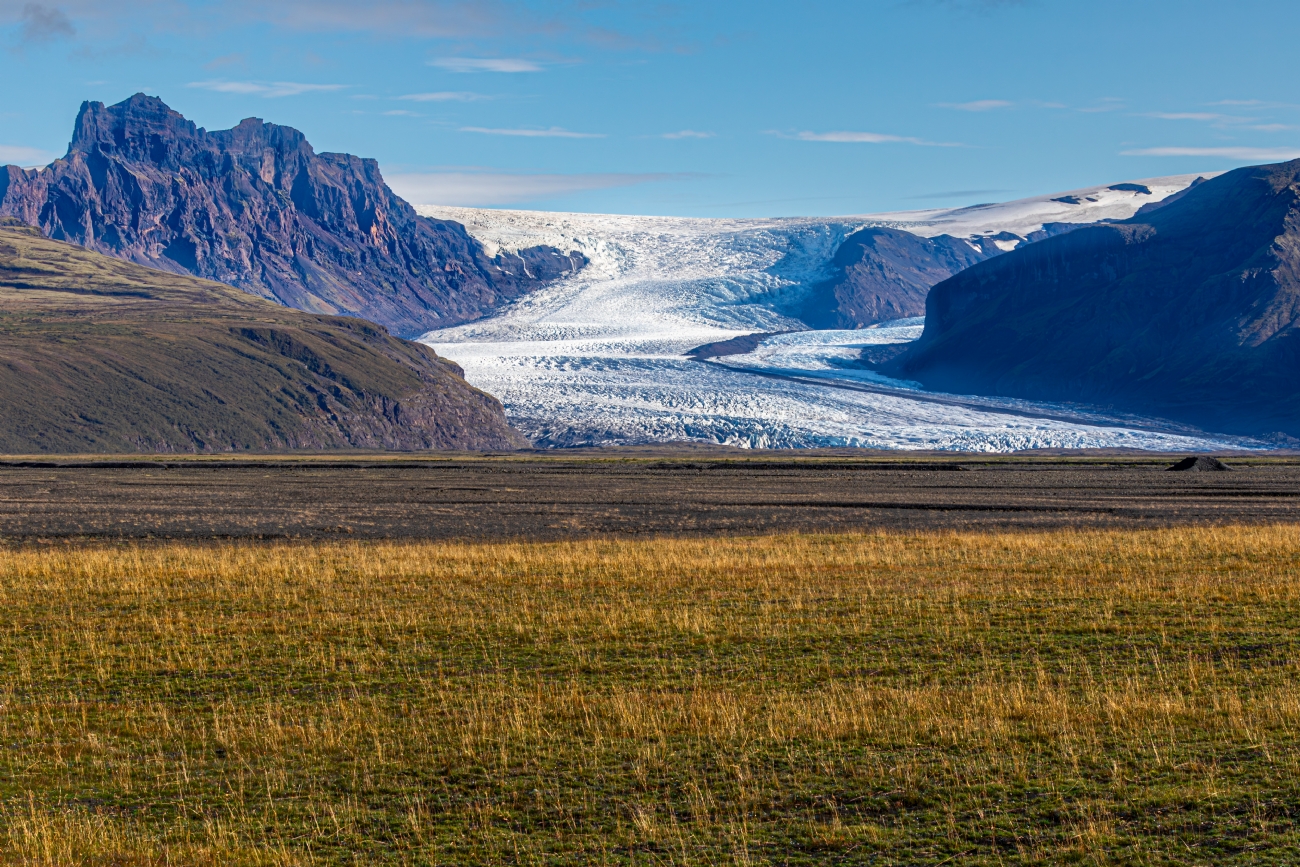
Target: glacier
[{"x": 600, "y": 357}]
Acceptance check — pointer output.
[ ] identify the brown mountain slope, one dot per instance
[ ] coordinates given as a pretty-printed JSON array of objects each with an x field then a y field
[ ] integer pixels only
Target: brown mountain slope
[
  {"x": 101, "y": 355},
  {"x": 258, "y": 208},
  {"x": 1190, "y": 311}
]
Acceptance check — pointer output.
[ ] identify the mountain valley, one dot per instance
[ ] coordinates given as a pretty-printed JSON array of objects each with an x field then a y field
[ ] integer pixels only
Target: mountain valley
[
  {"x": 602, "y": 357},
  {"x": 584, "y": 325}
]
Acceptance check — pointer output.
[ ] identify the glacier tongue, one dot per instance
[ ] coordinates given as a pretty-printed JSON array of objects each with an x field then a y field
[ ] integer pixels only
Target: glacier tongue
[{"x": 599, "y": 358}]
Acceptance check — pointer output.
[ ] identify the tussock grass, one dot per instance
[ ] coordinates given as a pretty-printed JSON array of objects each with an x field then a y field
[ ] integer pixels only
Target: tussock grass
[{"x": 1066, "y": 697}]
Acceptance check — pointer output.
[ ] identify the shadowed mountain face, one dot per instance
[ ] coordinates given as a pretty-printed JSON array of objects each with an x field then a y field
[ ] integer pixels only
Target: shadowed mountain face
[
  {"x": 1190, "y": 311},
  {"x": 101, "y": 355},
  {"x": 258, "y": 208},
  {"x": 884, "y": 274}
]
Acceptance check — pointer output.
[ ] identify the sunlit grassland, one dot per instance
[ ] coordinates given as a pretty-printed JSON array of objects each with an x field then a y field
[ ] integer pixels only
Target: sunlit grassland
[{"x": 1068, "y": 697}]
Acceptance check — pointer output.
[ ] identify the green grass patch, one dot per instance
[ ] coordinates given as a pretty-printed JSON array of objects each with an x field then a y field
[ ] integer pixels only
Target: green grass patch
[{"x": 1056, "y": 698}]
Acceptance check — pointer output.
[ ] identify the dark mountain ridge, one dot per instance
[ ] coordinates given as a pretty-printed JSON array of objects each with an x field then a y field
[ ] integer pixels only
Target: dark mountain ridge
[
  {"x": 256, "y": 207},
  {"x": 881, "y": 274},
  {"x": 102, "y": 355},
  {"x": 1190, "y": 311}
]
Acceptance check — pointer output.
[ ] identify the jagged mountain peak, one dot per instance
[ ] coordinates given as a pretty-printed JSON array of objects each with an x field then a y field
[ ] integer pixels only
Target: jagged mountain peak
[
  {"x": 130, "y": 128},
  {"x": 256, "y": 207}
]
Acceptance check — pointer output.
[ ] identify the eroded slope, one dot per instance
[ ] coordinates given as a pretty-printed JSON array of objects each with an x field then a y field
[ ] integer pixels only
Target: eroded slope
[{"x": 101, "y": 355}]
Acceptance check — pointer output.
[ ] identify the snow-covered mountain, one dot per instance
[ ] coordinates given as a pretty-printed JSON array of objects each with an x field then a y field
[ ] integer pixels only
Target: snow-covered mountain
[
  {"x": 600, "y": 357},
  {"x": 1027, "y": 216}
]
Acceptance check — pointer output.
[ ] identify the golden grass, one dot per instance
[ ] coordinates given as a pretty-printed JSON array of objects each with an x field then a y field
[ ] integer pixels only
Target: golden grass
[{"x": 1069, "y": 697}]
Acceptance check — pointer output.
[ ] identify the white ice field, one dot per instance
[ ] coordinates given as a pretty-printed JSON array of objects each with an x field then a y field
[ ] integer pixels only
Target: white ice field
[{"x": 600, "y": 358}]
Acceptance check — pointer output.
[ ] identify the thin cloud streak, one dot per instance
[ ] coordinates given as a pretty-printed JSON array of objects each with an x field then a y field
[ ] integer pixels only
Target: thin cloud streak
[
  {"x": 977, "y": 105},
  {"x": 99, "y": 21},
  {"x": 437, "y": 19},
  {"x": 1222, "y": 121},
  {"x": 486, "y": 64},
  {"x": 17, "y": 155},
  {"x": 1195, "y": 115},
  {"x": 1108, "y": 103},
  {"x": 959, "y": 194},
  {"x": 687, "y": 133},
  {"x": 553, "y": 132},
  {"x": 443, "y": 96},
  {"x": 238, "y": 59},
  {"x": 1263, "y": 155},
  {"x": 846, "y": 137},
  {"x": 483, "y": 189},
  {"x": 266, "y": 90}
]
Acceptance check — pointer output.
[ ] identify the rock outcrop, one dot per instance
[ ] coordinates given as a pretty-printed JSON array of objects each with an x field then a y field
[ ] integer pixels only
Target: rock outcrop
[
  {"x": 256, "y": 207},
  {"x": 1199, "y": 464},
  {"x": 884, "y": 274},
  {"x": 1189, "y": 311},
  {"x": 102, "y": 355}
]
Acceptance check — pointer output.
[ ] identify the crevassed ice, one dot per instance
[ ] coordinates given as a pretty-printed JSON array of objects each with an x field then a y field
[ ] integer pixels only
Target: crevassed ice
[{"x": 599, "y": 358}]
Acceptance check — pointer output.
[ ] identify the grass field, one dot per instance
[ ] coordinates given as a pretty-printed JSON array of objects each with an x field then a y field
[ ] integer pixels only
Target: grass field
[{"x": 1059, "y": 698}]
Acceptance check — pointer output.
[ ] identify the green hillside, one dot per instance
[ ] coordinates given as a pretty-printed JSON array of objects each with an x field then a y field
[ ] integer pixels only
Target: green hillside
[{"x": 102, "y": 355}]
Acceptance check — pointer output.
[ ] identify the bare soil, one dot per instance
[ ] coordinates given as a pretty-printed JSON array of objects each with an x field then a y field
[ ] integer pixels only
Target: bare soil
[{"x": 622, "y": 493}]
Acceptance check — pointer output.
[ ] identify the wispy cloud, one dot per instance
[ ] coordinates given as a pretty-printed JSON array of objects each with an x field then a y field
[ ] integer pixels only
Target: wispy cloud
[
  {"x": 687, "y": 133},
  {"x": 41, "y": 23},
  {"x": 24, "y": 156},
  {"x": 960, "y": 194},
  {"x": 1263, "y": 155},
  {"x": 227, "y": 60},
  {"x": 1221, "y": 121},
  {"x": 467, "y": 21},
  {"x": 553, "y": 132},
  {"x": 267, "y": 90},
  {"x": 443, "y": 96},
  {"x": 482, "y": 189},
  {"x": 401, "y": 112},
  {"x": 438, "y": 19},
  {"x": 847, "y": 137},
  {"x": 1108, "y": 103},
  {"x": 1195, "y": 115},
  {"x": 974, "y": 5},
  {"x": 977, "y": 105},
  {"x": 486, "y": 64}
]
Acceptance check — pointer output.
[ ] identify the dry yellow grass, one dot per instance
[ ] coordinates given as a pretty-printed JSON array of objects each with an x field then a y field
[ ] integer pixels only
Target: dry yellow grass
[{"x": 1072, "y": 697}]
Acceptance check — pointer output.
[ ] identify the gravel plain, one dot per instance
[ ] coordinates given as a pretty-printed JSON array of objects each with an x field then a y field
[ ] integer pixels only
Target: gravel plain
[{"x": 623, "y": 493}]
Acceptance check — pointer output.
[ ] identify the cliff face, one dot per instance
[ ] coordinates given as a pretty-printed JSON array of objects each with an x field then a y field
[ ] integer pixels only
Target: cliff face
[
  {"x": 102, "y": 355},
  {"x": 256, "y": 207},
  {"x": 1190, "y": 311},
  {"x": 884, "y": 274}
]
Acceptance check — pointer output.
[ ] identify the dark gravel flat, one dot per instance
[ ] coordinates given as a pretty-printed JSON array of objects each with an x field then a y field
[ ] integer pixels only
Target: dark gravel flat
[{"x": 556, "y": 497}]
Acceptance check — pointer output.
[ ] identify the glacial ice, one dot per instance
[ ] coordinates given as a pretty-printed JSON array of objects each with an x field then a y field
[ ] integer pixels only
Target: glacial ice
[{"x": 600, "y": 358}]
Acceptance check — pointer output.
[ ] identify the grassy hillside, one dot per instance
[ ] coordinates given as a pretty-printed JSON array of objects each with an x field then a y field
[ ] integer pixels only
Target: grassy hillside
[
  {"x": 1060, "y": 698},
  {"x": 101, "y": 355}
]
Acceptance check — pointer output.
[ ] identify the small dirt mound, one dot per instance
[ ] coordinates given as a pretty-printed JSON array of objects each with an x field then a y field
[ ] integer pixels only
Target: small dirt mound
[{"x": 1200, "y": 464}]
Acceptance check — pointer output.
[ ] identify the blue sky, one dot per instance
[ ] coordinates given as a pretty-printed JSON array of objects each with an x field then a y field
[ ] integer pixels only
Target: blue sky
[{"x": 699, "y": 109}]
